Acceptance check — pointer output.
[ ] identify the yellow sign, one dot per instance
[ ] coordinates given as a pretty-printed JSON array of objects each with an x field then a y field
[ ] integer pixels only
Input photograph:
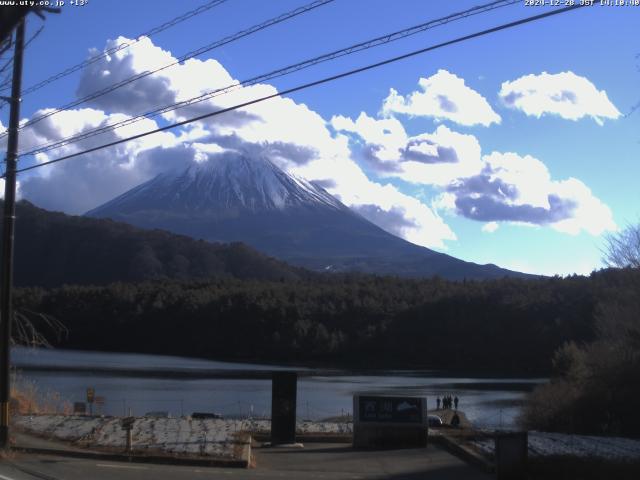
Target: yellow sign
[{"x": 91, "y": 393}]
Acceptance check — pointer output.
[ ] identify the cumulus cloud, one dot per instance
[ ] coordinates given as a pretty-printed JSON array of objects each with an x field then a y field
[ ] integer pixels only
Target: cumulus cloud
[
  {"x": 435, "y": 158},
  {"x": 520, "y": 189},
  {"x": 494, "y": 188},
  {"x": 383, "y": 139},
  {"x": 490, "y": 227},
  {"x": 565, "y": 94},
  {"x": 443, "y": 96},
  {"x": 291, "y": 134},
  {"x": 18, "y": 189},
  {"x": 500, "y": 187},
  {"x": 383, "y": 204},
  {"x": 137, "y": 96},
  {"x": 77, "y": 185}
]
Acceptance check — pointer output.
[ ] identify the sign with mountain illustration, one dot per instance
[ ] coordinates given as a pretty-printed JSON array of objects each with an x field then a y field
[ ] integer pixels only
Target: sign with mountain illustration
[{"x": 390, "y": 409}]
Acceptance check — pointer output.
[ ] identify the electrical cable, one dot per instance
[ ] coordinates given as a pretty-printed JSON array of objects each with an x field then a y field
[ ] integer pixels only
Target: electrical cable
[
  {"x": 388, "y": 38},
  {"x": 313, "y": 83},
  {"x": 122, "y": 46},
  {"x": 31, "y": 39},
  {"x": 183, "y": 58},
  {"x": 7, "y": 80}
]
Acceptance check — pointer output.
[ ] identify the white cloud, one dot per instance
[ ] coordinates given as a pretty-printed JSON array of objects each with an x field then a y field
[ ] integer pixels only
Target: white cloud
[
  {"x": 384, "y": 205},
  {"x": 18, "y": 189},
  {"x": 117, "y": 67},
  {"x": 435, "y": 158},
  {"x": 386, "y": 136},
  {"x": 2, "y": 186},
  {"x": 76, "y": 185},
  {"x": 590, "y": 213},
  {"x": 490, "y": 227},
  {"x": 291, "y": 134},
  {"x": 443, "y": 96},
  {"x": 500, "y": 187},
  {"x": 440, "y": 157},
  {"x": 565, "y": 94},
  {"x": 520, "y": 190}
]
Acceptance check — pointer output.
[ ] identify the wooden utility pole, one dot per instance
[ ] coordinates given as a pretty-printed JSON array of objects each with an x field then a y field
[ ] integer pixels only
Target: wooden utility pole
[{"x": 6, "y": 270}]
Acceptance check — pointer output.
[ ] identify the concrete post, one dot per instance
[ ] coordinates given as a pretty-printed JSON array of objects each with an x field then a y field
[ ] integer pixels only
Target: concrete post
[
  {"x": 511, "y": 455},
  {"x": 283, "y": 407}
]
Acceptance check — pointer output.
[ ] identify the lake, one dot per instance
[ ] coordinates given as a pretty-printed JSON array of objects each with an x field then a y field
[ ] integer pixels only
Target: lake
[{"x": 144, "y": 383}]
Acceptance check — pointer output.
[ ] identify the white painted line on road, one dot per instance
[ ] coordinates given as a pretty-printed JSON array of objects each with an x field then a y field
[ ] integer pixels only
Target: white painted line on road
[
  {"x": 2, "y": 477},
  {"x": 132, "y": 467},
  {"x": 217, "y": 472}
]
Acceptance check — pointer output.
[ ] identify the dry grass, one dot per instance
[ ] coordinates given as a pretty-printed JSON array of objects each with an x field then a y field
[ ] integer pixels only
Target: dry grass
[{"x": 27, "y": 398}]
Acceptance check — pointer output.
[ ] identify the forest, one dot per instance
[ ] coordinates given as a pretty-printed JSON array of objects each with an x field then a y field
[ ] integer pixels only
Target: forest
[{"x": 348, "y": 320}]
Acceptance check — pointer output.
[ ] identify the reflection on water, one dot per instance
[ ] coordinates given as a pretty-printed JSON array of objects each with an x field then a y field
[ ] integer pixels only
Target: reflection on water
[{"x": 487, "y": 402}]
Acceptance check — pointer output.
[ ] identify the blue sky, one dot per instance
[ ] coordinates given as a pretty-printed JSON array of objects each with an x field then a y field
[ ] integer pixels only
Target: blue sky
[{"x": 490, "y": 204}]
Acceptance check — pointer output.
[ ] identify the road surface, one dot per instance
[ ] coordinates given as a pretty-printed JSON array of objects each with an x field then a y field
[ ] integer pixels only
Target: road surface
[{"x": 315, "y": 461}]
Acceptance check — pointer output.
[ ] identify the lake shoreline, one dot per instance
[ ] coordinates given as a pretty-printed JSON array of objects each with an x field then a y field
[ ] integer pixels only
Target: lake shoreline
[
  {"x": 318, "y": 368},
  {"x": 148, "y": 383}
]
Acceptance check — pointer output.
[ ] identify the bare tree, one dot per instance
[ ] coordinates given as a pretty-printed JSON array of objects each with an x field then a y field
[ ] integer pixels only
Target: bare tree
[
  {"x": 622, "y": 249},
  {"x": 33, "y": 329}
]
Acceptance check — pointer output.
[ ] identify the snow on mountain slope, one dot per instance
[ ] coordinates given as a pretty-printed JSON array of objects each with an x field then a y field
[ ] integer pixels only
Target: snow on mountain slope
[
  {"x": 237, "y": 198},
  {"x": 228, "y": 183}
]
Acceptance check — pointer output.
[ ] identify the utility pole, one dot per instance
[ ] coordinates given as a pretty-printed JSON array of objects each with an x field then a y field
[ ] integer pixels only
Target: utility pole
[{"x": 6, "y": 275}]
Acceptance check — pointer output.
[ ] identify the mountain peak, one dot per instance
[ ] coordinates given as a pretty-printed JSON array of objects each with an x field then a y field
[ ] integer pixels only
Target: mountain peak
[
  {"x": 222, "y": 185},
  {"x": 234, "y": 197}
]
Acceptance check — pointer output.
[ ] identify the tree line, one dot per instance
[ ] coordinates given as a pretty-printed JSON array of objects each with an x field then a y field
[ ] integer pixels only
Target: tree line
[
  {"x": 594, "y": 388},
  {"x": 506, "y": 325}
]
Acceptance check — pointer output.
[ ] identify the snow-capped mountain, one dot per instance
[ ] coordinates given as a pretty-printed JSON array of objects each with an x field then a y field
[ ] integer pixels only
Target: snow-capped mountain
[
  {"x": 236, "y": 198},
  {"x": 223, "y": 187}
]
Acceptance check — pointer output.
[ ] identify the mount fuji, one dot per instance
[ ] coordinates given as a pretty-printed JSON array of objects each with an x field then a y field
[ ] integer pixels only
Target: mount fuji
[{"x": 237, "y": 198}]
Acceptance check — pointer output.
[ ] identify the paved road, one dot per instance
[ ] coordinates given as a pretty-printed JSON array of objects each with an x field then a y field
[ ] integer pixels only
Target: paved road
[{"x": 315, "y": 461}]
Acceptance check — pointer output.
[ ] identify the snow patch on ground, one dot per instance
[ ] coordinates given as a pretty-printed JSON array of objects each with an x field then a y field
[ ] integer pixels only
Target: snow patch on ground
[
  {"x": 214, "y": 437},
  {"x": 303, "y": 427},
  {"x": 543, "y": 444}
]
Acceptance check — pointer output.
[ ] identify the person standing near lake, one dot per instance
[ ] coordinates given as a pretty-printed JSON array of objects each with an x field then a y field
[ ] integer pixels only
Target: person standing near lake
[
  {"x": 438, "y": 403},
  {"x": 455, "y": 402}
]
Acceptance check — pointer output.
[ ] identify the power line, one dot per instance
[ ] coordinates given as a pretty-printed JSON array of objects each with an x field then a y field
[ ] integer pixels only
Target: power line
[
  {"x": 26, "y": 44},
  {"x": 312, "y": 84},
  {"x": 7, "y": 81},
  {"x": 122, "y": 46},
  {"x": 384, "y": 39},
  {"x": 187, "y": 56}
]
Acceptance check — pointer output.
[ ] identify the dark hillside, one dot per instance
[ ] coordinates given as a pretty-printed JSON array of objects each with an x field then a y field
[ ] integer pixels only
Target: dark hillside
[{"x": 53, "y": 249}]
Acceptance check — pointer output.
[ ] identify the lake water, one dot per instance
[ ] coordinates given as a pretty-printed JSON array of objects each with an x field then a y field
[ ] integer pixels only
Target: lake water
[{"x": 138, "y": 382}]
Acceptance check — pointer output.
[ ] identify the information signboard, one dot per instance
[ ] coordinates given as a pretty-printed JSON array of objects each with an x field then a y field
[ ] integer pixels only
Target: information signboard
[
  {"x": 390, "y": 409},
  {"x": 389, "y": 421}
]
